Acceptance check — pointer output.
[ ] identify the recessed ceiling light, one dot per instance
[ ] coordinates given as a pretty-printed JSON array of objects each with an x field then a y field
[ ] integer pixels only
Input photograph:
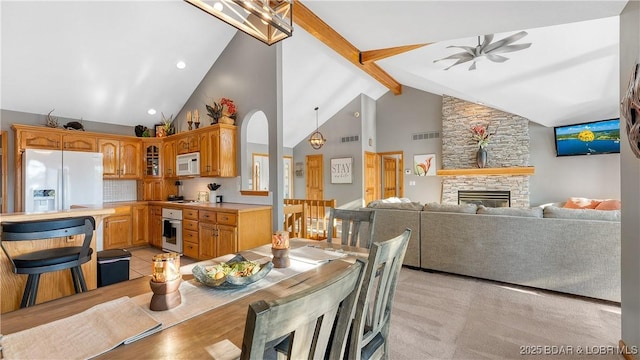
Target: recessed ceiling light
[
  {"x": 181, "y": 65},
  {"x": 217, "y": 6},
  {"x": 151, "y": 111}
]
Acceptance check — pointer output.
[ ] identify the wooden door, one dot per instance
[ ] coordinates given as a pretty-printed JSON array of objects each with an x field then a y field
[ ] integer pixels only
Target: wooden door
[
  {"x": 205, "y": 153},
  {"x": 169, "y": 158},
  {"x": 226, "y": 241},
  {"x": 110, "y": 150},
  {"x": 207, "y": 237},
  {"x": 130, "y": 160},
  {"x": 390, "y": 165},
  {"x": 151, "y": 159},
  {"x": 314, "y": 177},
  {"x": 371, "y": 177},
  {"x": 77, "y": 142},
  {"x": 214, "y": 159},
  {"x": 140, "y": 219},
  {"x": 155, "y": 229},
  {"x": 227, "y": 151},
  {"x": 117, "y": 232},
  {"x": 40, "y": 140},
  {"x": 182, "y": 145}
]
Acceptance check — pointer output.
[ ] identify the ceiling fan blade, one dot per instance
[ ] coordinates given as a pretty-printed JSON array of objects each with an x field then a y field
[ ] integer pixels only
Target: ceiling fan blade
[
  {"x": 460, "y": 56},
  {"x": 460, "y": 61},
  {"x": 473, "y": 66},
  {"x": 496, "y": 58},
  {"x": 469, "y": 49},
  {"x": 510, "y": 48},
  {"x": 506, "y": 41},
  {"x": 487, "y": 40}
]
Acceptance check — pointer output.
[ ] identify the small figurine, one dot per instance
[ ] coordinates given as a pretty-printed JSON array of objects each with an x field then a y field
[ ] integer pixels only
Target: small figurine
[{"x": 74, "y": 125}]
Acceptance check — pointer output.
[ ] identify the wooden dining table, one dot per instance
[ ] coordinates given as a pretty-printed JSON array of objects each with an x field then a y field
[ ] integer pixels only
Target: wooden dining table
[{"x": 187, "y": 339}]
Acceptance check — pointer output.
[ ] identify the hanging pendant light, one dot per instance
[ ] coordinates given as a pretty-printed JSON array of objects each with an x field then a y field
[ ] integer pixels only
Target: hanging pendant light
[{"x": 316, "y": 140}]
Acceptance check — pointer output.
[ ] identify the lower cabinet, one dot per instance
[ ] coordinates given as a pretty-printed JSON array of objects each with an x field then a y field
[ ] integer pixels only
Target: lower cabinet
[
  {"x": 190, "y": 233},
  {"x": 140, "y": 217},
  {"x": 117, "y": 230},
  {"x": 216, "y": 237},
  {"x": 155, "y": 226},
  {"x": 128, "y": 227}
]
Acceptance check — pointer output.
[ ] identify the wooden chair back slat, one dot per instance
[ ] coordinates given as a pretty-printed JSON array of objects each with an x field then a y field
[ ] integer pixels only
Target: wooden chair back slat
[{"x": 351, "y": 223}]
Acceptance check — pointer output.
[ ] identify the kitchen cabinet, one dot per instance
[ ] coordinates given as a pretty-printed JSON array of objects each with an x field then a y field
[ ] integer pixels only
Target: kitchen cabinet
[
  {"x": 155, "y": 226},
  {"x": 121, "y": 158},
  {"x": 53, "y": 139},
  {"x": 152, "y": 159},
  {"x": 140, "y": 218},
  {"x": 216, "y": 238},
  {"x": 117, "y": 229},
  {"x": 79, "y": 142},
  {"x": 218, "y": 151},
  {"x": 187, "y": 144},
  {"x": 190, "y": 237},
  {"x": 169, "y": 158},
  {"x": 152, "y": 189}
]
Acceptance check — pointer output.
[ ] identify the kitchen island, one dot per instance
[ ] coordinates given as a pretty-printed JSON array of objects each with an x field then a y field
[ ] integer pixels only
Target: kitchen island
[{"x": 55, "y": 284}]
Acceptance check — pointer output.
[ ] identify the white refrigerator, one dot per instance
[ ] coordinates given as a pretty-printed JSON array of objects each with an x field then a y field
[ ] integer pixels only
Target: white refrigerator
[{"x": 55, "y": 180}]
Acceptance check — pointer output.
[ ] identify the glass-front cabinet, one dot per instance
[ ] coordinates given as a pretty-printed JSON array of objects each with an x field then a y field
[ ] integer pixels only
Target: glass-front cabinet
[{"x": 152, "y": 161}]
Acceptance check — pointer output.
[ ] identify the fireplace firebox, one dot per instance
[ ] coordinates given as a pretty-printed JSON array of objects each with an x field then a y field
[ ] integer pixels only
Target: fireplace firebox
[{"x": 488, "y": 198}]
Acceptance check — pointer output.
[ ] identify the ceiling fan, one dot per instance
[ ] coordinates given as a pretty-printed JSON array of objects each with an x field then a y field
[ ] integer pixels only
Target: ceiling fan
[{"x": 487, "y": 49}]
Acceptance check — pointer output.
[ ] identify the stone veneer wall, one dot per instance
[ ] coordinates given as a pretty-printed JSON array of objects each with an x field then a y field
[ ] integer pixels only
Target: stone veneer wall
[{"x": 509, "y": 147}]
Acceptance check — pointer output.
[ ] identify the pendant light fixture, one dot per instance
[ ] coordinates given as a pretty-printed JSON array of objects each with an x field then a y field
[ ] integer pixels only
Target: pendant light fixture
[
  {"x": 316, "y": 140},
  {"x": 266, "y": 20}
]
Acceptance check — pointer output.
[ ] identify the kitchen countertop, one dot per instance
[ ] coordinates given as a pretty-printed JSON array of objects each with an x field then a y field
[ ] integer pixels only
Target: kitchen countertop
[
  {"x": 26, "y": 216},
  {"x": 190, "y": 205}
]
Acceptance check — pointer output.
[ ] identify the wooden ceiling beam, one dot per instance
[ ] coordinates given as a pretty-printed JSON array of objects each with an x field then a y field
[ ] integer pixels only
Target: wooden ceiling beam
[
  {"x": 373, "y": 55},
  {"x": 315, "y": 26}
]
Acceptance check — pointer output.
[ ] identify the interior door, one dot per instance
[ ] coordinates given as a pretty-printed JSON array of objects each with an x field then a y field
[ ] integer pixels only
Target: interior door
[
  {"x": 314, "y": 177},
  {"x": 371, "y": 178},
  {"x": 390, "y": 166}
]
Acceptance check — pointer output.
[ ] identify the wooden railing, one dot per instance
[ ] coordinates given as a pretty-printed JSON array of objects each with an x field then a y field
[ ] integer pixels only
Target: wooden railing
[{"x": 317, "y": 216}]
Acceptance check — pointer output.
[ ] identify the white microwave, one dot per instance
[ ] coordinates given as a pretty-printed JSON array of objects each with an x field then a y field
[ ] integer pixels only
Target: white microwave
[{"x": 188, "y": 164}]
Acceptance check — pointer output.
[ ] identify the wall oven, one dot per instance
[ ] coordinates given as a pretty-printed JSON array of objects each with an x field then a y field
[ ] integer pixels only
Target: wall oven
[{"x": 172, "y": 230}]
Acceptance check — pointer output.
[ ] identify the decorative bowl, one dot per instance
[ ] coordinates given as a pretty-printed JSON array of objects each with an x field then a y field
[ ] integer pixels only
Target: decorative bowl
[{"x": 230, "y": 281}]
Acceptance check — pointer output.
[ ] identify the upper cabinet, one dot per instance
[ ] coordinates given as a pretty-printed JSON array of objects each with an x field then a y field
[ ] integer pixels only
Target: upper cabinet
[
  {"x": 55, "y": 139},
  {"x": 79, "y": 142},
  {"x": 187, "y": 143},
  {"x": 218, "y": 151},
  {"x": 169, "y": 158},
  {"x": 37, "y": 139},
  {"x": 151, "y": 156},
  {"x": 121, "y": 158}
]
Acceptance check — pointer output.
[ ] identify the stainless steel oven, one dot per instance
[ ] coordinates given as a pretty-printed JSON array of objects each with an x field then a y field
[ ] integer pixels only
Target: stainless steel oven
[{"x": 172, "y": 230}]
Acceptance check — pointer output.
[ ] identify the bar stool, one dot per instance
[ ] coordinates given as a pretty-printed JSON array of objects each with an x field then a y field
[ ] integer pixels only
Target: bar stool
[{"x": 48, "y": 260}]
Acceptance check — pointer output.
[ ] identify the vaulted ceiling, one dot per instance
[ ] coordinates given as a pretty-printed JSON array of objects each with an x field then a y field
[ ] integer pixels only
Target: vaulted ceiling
[{"x": 110, "y": 61}]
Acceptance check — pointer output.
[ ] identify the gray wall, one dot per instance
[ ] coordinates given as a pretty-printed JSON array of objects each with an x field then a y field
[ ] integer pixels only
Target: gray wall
[
  {"x": 8, "y": 117},
  {"x": 398, "y": 117},
  {"x": 557, "y": 178},
  {"x": 630, "y": 173},
  {"x": 342, "y": 124}
]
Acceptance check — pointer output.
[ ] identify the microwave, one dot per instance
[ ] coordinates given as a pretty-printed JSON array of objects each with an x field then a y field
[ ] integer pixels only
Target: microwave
[{"x": 188, "y": 164}]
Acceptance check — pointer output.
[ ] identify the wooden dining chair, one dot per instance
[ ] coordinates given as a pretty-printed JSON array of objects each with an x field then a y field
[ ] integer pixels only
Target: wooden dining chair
[
  {"x": 351, "y": 222},
  {"x": 316, "y": 320},
  {"x": 369, "y": 337},
  {"x": 295, "y": 221}
]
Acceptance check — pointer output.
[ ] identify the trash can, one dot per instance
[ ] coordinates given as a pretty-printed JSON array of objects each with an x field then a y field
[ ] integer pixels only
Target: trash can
[{"x": 113, "y": 266}]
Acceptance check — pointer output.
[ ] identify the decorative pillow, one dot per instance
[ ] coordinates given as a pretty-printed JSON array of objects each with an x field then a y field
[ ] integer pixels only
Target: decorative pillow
[
  {"x": 609, "y": 205},
  {"x": 535, "y": 212},
  {"x": 581, "y": 214},
  {"x": 581, "y": 203},
  {"x": 464, "y": 208}
]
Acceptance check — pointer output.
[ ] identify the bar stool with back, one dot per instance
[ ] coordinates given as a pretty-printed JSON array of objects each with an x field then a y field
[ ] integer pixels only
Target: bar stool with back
[{"x": 39, "y": 262}]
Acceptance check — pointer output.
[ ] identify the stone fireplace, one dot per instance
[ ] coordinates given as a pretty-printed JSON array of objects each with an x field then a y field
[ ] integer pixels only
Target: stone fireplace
[
  {"x": 488, "y": 198},
  {"x": 508, "y": 148}
]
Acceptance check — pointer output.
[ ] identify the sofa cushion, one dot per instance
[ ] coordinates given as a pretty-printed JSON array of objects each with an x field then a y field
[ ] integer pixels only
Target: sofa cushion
[
  {"x": 581, "y": 203},
  {"x": 581, "y": 214},
  {"x": 511, "y": 211},
  {"x": 609, "y": 205},
  {"x": 464, "y": 208},
  {"x": 399, "y": 206}
]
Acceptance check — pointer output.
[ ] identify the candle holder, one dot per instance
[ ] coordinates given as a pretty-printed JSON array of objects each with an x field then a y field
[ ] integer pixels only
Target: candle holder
[
  {"x": 189, "y": 122},
  {"x": 280, "y": 249},
  {"x": 165, "y": 282}
]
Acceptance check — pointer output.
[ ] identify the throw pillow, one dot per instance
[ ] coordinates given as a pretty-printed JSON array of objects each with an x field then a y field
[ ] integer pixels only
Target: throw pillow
[
  {"x": 464, "y": 208},
  {"x": 609, "y": 205},
  {"x": 581, "y": 203},
  {"x": 511, "y": 211},
  {"x": 581, "y": 214}
]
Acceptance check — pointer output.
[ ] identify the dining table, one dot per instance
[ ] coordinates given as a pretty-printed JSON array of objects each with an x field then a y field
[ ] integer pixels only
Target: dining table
[{"x": 191, "y": 338}]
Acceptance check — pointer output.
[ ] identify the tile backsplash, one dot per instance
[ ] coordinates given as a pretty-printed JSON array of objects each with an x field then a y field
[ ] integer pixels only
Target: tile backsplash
[{"x": 119, "y": 190}]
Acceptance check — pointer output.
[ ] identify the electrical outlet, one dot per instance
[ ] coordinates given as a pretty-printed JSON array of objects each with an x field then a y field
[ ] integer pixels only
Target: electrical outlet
[{"x": 412, "y": 183}]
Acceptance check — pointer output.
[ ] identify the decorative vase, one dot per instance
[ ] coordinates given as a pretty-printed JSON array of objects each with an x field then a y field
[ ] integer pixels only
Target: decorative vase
[{"x": 481, "y": 158}]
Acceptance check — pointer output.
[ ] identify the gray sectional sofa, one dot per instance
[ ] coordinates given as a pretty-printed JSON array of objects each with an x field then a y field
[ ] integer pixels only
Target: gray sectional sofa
[{"x": 565, "y": 250}]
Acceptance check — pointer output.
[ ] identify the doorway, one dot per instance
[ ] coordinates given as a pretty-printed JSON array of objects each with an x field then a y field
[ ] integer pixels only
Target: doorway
[
  {"x": 314, "y": 177},
  {"x": 391, "y": 181}
]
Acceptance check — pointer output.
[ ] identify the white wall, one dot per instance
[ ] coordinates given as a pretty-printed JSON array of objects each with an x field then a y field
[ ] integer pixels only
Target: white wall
[{"x": 630, "y": 190}]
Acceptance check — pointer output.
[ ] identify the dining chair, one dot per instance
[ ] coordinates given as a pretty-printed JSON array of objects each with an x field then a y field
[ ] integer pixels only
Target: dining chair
[
  {"x": 351, "y": 222},
  {"x": 369, "y": 336},
  {"x": 295, "y": 221},
  {"x": 316, "y": 320},
  {"x": 35, "y": 263}
]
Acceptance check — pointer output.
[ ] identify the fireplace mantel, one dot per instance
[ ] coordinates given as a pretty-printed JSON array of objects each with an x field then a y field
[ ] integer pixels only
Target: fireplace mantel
[{"x": 504, "y": 171}]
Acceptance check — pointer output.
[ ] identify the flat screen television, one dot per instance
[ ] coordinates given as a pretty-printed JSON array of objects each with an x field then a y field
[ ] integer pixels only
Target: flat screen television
[{"x": 590, "y": 138}]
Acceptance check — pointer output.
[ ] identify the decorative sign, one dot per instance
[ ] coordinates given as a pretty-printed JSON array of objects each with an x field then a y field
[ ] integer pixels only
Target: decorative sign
[{"x": 341, "y": 170}]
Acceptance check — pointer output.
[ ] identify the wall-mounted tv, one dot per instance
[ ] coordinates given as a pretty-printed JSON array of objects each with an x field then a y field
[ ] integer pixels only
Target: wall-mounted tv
[{"x": 590, "y": 138}]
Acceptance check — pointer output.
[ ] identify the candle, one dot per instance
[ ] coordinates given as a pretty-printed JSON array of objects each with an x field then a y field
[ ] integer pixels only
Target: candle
[
  {"x": 188, "y": 115},
  {"x": 280, "y": 240},
  {"x": 196, "y": 116},
  {"x": 165, "y": 267}
]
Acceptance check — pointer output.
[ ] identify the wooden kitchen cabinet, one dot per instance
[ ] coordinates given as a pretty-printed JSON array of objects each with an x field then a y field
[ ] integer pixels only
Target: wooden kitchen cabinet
[
  {"x": 140, "y": 218},
  {"x": 117, "y": 232},
  {"x": 218, "y": 151},
  {"x": 39, "y": 139},
  {"x": 187, "y": 144},
  {"x": 169, "y": 158},
  {"x": 121, "y": 158},
  {"x": 152, "y": 157},
  {"x": 216, "y": 239},
  {"x": 155, "y": 226},
  {"x": 152, "y": 190},
  {"x": 79, "y": 142}
]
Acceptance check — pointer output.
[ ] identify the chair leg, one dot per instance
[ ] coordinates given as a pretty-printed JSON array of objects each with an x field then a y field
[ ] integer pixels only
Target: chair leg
[
  {"x": 78, "y": 279},
  {"x": 30, "y": 290}
]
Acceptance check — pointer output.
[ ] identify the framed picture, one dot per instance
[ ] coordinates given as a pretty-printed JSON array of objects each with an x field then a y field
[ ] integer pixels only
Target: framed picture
[
  {"x": 424, "y": 165},
  {"x": 341, "y": 170}
]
